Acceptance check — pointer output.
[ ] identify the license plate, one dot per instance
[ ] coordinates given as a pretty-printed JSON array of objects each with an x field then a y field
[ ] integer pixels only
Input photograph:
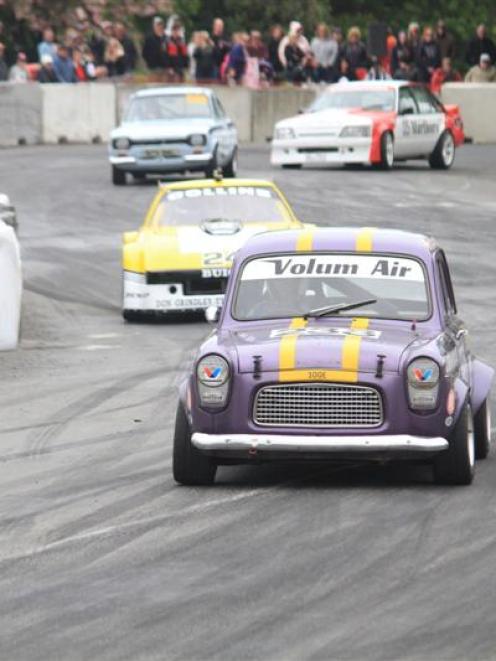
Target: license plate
[
  {"x": 160, "y": 153},
  {"x": 316, "y": 158}
]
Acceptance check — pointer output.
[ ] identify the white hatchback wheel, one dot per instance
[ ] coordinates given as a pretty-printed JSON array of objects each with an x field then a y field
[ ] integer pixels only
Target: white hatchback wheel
[
  {"x": 389, "y": 150},
  {"x": 448, "y": 149}
]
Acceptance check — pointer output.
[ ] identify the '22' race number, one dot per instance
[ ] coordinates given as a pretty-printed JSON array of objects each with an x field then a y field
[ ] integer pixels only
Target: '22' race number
[{"x": 217, "y": 258}]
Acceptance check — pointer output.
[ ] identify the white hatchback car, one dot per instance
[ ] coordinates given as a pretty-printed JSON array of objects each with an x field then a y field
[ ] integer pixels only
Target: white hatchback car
[{"x": 173, "y": 129}]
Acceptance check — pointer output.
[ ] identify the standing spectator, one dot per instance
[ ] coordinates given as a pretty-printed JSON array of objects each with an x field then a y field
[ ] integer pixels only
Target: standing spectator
[
  {"x": 295, "y": 30},
  {"x": 407, "y": 70},
  {"x": 276, "y": 35},
  {"x": 391, "y": 43},
  {"x": 480, "y": 44},
  {"x": 256, "y": 47},
  {"x": 445, "y": 74},
  {"x": 130, "y": 52},
  {"x": 325, "y": 49},
  {"x": 47, "y": 46},
  {"x": 114, "y": 58},
  {"x": 345, "y": 72},
  {"x": 377, "y": 71},
  {"x": 155, "y": 47},
  {"x": 236, "y": 64},
  {"x": 204, "y": 57},
  {"x": 99, "y": 42},
  {"x": 429, "y": 56},
  {"x": 19, "y": 72},
  {"x": 484, "y": 72},
  {"x": 63, "y": 66},
  {"x": 402, "y": 51},
  {"x": 445, "y": 40},
  {"x": 177, "y": 53},
  {"x": 338, "y": 36},
  {"x": 79, "y": 66},
  {"x": 295, "y": 58},
  {"x": 222, "y": 47},
  {"x": 413, "y": 38},
  {"x": 4, "y": 69},
  {"x": 46, "y": 74},
  {"x": 354, "y": 50}
]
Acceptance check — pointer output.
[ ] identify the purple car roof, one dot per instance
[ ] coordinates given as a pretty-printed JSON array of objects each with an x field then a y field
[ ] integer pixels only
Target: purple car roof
[{"x": 340, "y": 239}]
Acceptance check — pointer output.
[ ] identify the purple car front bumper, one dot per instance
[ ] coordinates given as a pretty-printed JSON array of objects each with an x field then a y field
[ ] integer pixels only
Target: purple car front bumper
[{"x": 306, "y": 443}]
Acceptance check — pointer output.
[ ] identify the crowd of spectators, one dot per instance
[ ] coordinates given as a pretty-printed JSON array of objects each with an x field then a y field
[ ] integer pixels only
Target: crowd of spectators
[{"x": 91, "y": 52}]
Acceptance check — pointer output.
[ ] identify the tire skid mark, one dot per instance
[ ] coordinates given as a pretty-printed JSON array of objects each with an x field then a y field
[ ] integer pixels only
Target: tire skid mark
[
  {"x": 153, "y": 522},
  {"x": 86, "y": 404}
]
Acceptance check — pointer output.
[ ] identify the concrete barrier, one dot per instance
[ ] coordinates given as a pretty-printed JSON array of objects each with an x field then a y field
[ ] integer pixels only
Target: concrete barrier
[
  {"x": 270, "y": 106},
  {"x": 84, "y": 113},
  {"x": 20, "y": 114},
  {"x": 78, "y": 113},
  {"x": 477, "y": 102}
]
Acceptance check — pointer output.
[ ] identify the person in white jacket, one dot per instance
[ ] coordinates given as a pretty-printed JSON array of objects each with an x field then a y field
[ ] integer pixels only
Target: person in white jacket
[{"x": 295, "y": 28}]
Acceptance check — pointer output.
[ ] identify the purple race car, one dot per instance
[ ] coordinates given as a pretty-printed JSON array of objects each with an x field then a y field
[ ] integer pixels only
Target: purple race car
[{"x": 335, "y": 344}]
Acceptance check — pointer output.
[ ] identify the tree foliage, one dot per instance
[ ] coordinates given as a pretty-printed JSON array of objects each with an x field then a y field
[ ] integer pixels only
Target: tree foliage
[{"x": 461, "y": 16}]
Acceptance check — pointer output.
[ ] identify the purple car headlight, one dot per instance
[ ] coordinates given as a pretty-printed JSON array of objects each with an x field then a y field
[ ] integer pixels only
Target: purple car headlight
[
  {"x": 212, "y": 375},
  {"x": 423, "y": 384}
]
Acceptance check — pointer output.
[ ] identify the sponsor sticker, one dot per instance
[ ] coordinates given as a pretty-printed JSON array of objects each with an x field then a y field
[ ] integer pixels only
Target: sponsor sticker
[
  {"x": 423, "y": 375},
  {"x": 212, "y": 373},
  {"x": 334, "y": 266},
  {"x": 339, "y": 332},
  {"x": 197, "y": 99},
  {"x": 220, "y": 191}
]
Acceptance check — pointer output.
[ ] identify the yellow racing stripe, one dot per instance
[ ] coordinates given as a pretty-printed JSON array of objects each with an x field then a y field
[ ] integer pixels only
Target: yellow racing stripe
[
  {"x": 364, "y": 239},
  {"x": 287, "y": 347},
  {"x": 304, "y": 242}
]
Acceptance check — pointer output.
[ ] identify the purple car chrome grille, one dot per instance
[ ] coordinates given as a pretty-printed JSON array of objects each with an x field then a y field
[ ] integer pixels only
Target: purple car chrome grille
[{"x": 318, "y": 405}]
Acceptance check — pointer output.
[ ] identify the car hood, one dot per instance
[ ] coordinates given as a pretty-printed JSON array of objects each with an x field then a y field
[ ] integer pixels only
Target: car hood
[
  {"x": 326, "y": 118},
  {"x": 177, "y": 128},
  {"x": 194, "y": 247},
  {"x": 322, "y": 345}
]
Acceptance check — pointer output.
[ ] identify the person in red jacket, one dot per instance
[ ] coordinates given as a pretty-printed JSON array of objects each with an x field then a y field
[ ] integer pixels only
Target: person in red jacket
[
  {"x": 177, "y": 53},
  {"x": 445, "y": 74}
]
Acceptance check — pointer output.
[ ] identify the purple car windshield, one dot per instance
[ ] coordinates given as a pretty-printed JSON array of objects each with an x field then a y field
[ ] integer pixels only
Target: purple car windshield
[
  {"x": 245, "y": 204},
  {"x": 291, "y": 285}
]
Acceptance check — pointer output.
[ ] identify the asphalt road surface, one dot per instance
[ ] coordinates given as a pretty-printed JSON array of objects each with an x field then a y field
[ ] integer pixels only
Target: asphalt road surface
[{"x": 102, "y": 556}]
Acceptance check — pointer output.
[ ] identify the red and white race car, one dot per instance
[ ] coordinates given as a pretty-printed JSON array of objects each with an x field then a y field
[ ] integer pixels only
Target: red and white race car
[{"x": 372, "y": 122}]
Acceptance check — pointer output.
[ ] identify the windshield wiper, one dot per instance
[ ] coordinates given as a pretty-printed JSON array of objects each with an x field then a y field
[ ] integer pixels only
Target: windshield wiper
[{"x": 336, "y": 309}]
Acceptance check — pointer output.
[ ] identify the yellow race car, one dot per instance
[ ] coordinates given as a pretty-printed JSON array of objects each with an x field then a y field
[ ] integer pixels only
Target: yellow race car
[{"x": 179, "y": 260}]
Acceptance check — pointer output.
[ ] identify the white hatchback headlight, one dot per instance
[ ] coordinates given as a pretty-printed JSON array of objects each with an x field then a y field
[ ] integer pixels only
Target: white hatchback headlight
[
  {"x": 197, "y": 140},
  {"x": 355, "y": 132},
  {"x": 284, "y": 134},
  {"x": 423, "y": 384},
  {"x": 122, "y": 143},
  {"x": 213, "y": 374}
]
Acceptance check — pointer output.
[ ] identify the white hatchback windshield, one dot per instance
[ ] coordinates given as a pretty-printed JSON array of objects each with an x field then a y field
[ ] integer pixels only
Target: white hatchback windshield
[
  {"x": 366, "y": 99},
  {"x": 168, "y": 106},
  {"x": 245, "y": 204},
  {"x": 292, "y": 285}
]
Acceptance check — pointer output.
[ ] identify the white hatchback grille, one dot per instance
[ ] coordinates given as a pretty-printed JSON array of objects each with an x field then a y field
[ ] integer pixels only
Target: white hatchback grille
[{"x": 318, "y": 405}]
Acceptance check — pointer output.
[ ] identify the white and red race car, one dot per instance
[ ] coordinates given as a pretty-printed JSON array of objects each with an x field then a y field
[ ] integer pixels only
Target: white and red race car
[{"x": 370, "y": 122}]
